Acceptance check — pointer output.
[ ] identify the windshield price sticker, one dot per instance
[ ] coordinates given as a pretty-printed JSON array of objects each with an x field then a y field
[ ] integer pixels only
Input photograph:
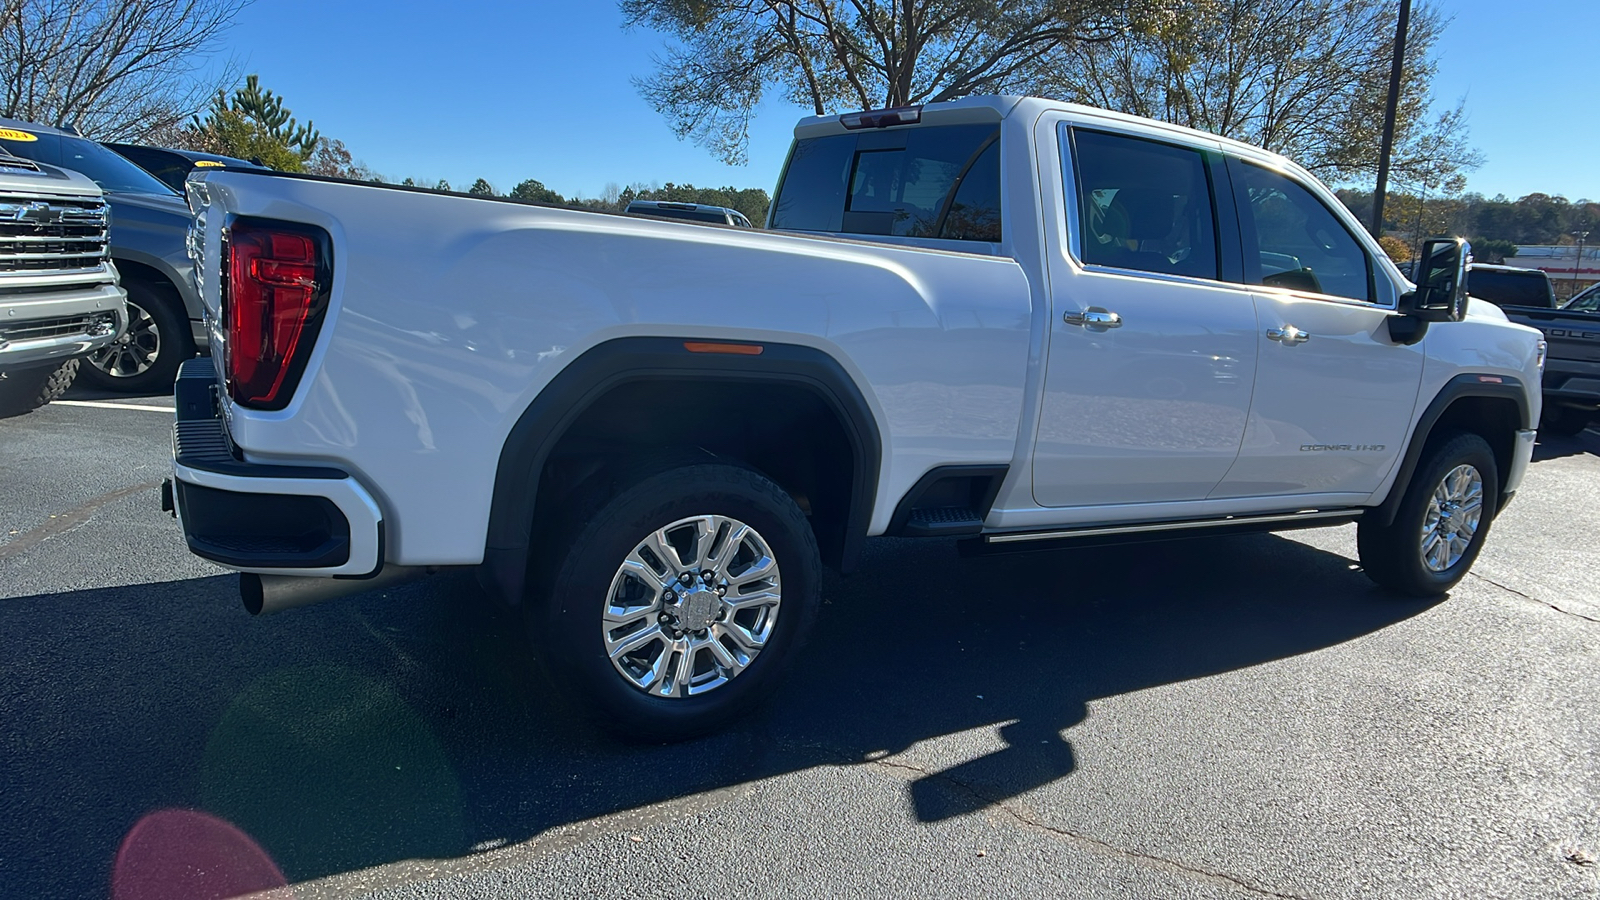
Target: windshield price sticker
[
  {"x": 11, "y": 134},
  {"x": 209, "y": 164}
]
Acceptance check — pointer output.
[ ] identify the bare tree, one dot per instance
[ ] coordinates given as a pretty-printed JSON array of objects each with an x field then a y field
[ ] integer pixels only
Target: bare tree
[
  {"x": 116, "y": 69},
  {"x": 832, "y": 55},
  {"x": 1306, "y": 78}
]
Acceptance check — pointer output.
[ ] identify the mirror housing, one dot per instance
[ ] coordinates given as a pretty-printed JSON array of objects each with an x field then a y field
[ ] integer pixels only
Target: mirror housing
[{"x": 1441, "y": 276}]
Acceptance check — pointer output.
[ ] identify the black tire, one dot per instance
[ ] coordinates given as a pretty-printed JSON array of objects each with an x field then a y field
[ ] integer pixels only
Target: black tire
[
  {"x": 111, "y": 369},
  {"x": 564, "y": 609},
  {"x": 1392, "y": 554},
  {"x": 1564, "y": 421},
  {"x": 28, "y": 389}
]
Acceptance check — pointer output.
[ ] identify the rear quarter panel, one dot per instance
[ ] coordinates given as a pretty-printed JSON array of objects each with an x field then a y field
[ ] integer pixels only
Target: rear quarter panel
[{"x": 449, "y": 314}]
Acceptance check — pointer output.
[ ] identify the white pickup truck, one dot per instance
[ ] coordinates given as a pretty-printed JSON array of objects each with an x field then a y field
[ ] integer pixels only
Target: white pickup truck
[{"x": 1021, "y": 321}]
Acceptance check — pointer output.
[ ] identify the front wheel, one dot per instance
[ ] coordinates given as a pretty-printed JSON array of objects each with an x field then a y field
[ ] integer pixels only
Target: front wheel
[
  {"x": 145, "y": 358},
  {"x": 675, "y": 606},
  {"x": 1440, "y": 524},
  {"x": 29, "y": 389}
]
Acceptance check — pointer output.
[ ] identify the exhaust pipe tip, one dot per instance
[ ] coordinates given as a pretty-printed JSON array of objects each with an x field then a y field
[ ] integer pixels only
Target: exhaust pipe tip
[{"x": 273, "y": 593}]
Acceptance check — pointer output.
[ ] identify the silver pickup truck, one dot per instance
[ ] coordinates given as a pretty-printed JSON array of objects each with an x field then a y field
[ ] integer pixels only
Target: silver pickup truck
[{"x": 59, "y": 297}]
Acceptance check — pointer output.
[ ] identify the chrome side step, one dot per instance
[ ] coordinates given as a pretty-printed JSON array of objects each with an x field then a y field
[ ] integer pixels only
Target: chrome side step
[
  {"x": 1095, "y": 535},
  {"x": 1304, "y": 515}
]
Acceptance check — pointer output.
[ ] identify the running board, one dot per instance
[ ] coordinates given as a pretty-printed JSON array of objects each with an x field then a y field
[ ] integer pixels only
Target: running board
[{"x": 1095, "y": 535}]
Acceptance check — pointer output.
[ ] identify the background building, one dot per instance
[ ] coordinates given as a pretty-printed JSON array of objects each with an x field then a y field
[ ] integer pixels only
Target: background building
[{"x": 1567, "y": 272}]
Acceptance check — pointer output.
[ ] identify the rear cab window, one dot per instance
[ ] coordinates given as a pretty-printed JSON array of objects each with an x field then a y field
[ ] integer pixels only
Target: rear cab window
[
  {"x": 931, "y": 181},
  {"x": 1510, "y": 288}
]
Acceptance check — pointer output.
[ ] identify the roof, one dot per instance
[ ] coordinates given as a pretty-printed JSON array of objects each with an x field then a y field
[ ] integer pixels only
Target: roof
[
  {"x": 995, "y": 108},
  {"x": 1514, "y": 270},
  {"x": 191, "y": 155}
]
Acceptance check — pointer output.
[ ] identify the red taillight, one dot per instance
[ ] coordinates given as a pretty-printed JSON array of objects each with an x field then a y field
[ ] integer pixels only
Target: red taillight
[{"x": 274, "y": 301}]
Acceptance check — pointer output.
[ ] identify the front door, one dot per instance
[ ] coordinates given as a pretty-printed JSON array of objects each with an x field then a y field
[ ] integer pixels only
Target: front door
[
  {"x": 1334, "y": 395},
  {"x": 1152, "y": 357}
]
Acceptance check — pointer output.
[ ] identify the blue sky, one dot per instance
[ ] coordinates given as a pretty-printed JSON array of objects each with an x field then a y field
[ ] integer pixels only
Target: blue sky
[{"x": 509, "y": 90}]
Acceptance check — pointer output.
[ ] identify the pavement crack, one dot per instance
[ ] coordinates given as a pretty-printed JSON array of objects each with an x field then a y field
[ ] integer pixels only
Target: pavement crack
[
  {"x": 1087, "y": 842},
  {"x": 63, "y": 522},
  {"x": 1511, "y": 590}
]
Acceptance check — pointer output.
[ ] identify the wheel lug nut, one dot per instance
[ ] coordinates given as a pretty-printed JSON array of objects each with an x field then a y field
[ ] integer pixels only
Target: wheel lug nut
[{"x": 686, "y": 578}]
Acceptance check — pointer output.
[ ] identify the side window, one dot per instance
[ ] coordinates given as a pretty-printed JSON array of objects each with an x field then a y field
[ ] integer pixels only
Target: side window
[
  {"x": 1293, "y": 241},
  {"x": 1144, "y": 205}
]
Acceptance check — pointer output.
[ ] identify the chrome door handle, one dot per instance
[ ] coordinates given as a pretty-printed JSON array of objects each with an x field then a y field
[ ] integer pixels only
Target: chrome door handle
[
  {"x": 1288, "y": 334},
  {"x": 1093, "y": 317}
]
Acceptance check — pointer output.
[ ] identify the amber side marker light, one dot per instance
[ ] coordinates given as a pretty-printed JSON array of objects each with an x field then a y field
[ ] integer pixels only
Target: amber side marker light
[{"x": 735, "y": 349}]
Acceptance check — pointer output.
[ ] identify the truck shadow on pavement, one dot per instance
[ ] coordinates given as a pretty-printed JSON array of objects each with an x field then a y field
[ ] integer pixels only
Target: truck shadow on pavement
[
  {"x": 1557, "y": 446},
  {"x": 412, "y": 723}
]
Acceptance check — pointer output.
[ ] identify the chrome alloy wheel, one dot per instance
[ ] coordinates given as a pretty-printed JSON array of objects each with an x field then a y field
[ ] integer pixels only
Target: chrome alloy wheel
[
  {"x": 1452, "y": 518},
  {"x": 133, "y": 353},
  {"x": 691, "y": 606}
]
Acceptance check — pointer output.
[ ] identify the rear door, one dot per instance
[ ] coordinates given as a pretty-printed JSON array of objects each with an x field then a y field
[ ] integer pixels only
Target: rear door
[{"x": 1334, "y": 395}]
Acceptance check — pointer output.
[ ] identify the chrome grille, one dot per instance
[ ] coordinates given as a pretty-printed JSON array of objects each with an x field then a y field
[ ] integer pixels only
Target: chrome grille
[{"x": 41, "y": 234}]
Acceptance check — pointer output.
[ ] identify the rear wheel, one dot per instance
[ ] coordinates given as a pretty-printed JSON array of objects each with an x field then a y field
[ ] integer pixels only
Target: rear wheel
[
  {"x": 29, "y": 389},
  {"x": 145, "y": 359},
  {"x": 675, "y": 606},
  {"x": 1441, "y": 523}
]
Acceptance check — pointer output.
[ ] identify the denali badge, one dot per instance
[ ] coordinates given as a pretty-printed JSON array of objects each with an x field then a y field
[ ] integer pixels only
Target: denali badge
[{"x": 1349, "y": 448}]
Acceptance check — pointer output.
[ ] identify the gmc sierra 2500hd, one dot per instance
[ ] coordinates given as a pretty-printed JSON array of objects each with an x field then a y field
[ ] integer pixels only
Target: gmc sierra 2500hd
[{"x": 1017, "y": 320}]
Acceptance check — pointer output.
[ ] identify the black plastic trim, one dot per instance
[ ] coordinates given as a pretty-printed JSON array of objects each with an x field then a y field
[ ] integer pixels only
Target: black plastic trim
[
  {"x": 901, "y": 523},
  {"x": 200, "y": 437},
  {"x": 624, "y": 360},
  {"x": 1506, "y": 387},
  {"x": 282, "y": 531}
]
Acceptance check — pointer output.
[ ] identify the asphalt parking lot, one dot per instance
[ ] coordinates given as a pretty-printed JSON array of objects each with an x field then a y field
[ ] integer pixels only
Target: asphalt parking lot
[{"x": 1234, "y": 717}]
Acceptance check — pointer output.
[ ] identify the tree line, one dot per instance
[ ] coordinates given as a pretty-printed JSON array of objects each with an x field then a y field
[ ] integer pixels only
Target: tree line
[
  {"x": 1306, "y": 78},
  {"x": 753, "y": 202},
  {"x": 1496, "y": 226}
]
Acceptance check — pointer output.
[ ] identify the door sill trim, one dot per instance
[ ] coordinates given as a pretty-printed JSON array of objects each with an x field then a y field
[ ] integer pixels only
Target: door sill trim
[{"x": 1304, "y": 515}]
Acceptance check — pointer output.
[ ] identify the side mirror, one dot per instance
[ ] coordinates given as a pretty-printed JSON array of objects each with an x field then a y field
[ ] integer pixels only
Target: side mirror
[{"x": 1441, "y": 275}]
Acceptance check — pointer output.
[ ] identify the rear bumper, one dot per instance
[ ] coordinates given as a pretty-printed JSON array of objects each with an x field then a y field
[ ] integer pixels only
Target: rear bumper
[
  {"x": 47, "y": 327},
  {"x": 258, "y": 517},
  {"x": 1572, "y": 382}
]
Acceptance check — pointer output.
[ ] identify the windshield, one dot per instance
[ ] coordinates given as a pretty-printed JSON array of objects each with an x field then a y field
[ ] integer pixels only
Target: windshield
[
  {"x": 111, "y": 171},
  {"x": 1588, "y": 301}
]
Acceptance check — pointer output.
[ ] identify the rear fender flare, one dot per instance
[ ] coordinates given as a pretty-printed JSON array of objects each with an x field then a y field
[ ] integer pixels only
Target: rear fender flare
[{"x": 616, "y": 362}]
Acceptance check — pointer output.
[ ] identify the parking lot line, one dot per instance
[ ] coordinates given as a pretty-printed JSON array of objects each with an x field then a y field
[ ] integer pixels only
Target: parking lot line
[{"x": 97, "y": 404}]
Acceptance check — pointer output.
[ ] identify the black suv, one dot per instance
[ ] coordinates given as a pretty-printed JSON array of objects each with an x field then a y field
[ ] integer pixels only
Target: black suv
[{"x": 148, "y": 224}]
